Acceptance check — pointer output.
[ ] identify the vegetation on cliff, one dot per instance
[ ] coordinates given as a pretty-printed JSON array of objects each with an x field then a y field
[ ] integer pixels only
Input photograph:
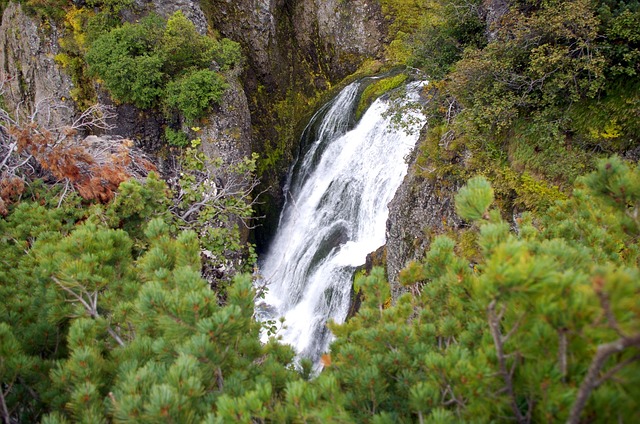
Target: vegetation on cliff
[{"x": 543, "y": 89}]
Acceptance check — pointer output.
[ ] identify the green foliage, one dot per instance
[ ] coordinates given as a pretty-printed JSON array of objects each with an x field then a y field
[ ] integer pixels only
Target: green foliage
[
  {"x": 227, "y": 54},
  {"x": 474, "y": 199},
  {"x": 47, "y": 9},
  {"x": 182, "y": 47},
  {"x": 154, "y": 63},
  {"x": 195, "y": 92},
  {"x": 530, "y": 100},
  {"x": 176, "y": 138},
  {"x": 621, "y": 21},
  {"x": 446, "y": 30},
  {"x": 109, "y": 318},
  {"x": 515, "y": 335},
  {"x": 216, "y": 201},
  {"x": 127, "y": 62},
  {"x": 71, "y": 58}
]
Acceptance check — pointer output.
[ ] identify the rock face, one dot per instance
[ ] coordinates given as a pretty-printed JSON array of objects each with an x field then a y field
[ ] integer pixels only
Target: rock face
[
  {"x": 32, "y": 80},
  {"x": 328, "y": 37},
  {"x": 295, "y": 49},
  {"x": 418, "y": 211},
  {"x": 165, "y": 8},
  {"x": 494, "y": 10},
  {"x": 228, "y": 130},
  {"x": 343, "y": 32}
]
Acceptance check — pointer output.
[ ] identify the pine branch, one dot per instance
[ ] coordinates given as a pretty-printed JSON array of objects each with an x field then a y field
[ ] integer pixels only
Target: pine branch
[
  {"x": 498, "y": 339},
  {"x": 92, "y": 309},
  {"x": 77, "y": 297},
  {"x": 591, "y": 380},
  {"x": 3, "y": 408},
  {"x": 606, "y": 306},
  {"x": 615, "y": 369}
]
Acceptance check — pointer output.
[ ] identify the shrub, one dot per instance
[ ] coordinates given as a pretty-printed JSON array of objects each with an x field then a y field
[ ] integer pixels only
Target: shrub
[
  {"x": 227, "y": 54},
  {"x": 194, "y": 93},
  {"x": 176, "y": 138},
  {"x": 155, "y": 63},
  {"x": 127, "y": 61}
]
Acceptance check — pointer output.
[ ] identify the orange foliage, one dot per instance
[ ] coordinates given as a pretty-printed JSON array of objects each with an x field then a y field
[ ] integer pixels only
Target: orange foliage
[
  {"x": 11, "y": 188},
  {"x": 325, "y": 360},
  {"x": 94, "y": 174}
]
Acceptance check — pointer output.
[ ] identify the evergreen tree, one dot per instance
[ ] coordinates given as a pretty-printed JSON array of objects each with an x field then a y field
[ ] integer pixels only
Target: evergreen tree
[{"x": 545, "y": 328}]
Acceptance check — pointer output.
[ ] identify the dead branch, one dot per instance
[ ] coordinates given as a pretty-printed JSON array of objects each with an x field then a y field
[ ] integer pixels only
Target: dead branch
[{"x": 3, "y": 408}]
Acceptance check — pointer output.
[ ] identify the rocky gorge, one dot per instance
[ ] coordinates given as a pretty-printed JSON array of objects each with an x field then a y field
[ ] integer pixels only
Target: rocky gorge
[{"x": 293, "y": 48}]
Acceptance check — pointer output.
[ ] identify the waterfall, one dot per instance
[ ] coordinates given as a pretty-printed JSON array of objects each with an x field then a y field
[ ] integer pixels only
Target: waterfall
[{"x": 335, "y": 214}]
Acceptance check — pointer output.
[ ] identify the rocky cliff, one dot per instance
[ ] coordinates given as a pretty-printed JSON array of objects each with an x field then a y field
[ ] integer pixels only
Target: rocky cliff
[
  {"x": 419, "y": 211},
  {"x": 292, "y": 41},
  {"x": 34, "y": 86},
  {"x": 295, "y": 50}
]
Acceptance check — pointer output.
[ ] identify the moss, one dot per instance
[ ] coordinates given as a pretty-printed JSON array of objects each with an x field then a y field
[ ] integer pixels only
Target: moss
[
  {"x": 377, "y": 89},
  {"x": 537, "y": 194}
]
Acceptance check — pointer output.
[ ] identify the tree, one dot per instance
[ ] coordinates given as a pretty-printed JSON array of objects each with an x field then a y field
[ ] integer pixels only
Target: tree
[{"x": 545, "y": 327}]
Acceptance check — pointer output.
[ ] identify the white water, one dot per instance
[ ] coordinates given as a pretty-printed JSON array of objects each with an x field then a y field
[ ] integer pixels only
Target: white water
[{"x": 335, "y": 215}]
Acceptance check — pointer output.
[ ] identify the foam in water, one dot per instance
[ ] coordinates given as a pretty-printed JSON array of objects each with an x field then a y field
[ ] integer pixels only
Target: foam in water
[{"x": 335, "y": 215}]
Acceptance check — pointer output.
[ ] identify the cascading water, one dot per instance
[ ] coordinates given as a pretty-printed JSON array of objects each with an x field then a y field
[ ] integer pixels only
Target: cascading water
[{"x": 336, "y": 211}]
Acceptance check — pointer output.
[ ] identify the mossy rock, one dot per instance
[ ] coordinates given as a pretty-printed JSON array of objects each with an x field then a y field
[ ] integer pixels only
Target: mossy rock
[{"x": 377, "y": 89}]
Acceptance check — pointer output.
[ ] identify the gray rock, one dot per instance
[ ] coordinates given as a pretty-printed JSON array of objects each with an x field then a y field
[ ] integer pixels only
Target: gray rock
[
  {"x": 494, "y": 10},
  {"x": 34, "y": 84},
  {"x": 227, "y": 134},
  {"x": 343, "y": 32},
  {"x": 417, "y": 211},
  {"x": 331, "y": 35},
  {"x": 165, "y": 8}
]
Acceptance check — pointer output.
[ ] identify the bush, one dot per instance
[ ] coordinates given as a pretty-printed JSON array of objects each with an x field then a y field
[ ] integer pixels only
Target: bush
[
  {"x": 194, "y": 93},
  {"x": 127, "y": 60},
  {"x": 155, "y": 63},
  {"x": 176, "y": 138},
  {"x": 227, "y": 54}
]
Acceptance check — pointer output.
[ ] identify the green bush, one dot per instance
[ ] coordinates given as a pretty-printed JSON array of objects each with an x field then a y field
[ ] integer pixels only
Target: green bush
[
  {"x": 183, "y": 48},
  {"x": 176, "y": 138},
  {"x": 129, "y": 63},
  {"x": 157, "y": 63},
  {"x": 227, "y": 54},
  {"x": 194, "y": 93}
]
